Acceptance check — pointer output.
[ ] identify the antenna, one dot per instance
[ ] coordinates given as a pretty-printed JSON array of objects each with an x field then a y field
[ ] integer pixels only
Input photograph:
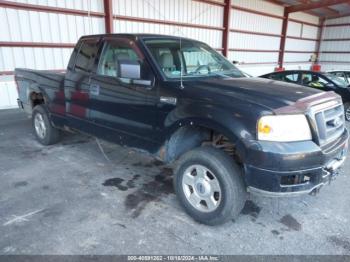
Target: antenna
[{"x": 181, "y": 61}]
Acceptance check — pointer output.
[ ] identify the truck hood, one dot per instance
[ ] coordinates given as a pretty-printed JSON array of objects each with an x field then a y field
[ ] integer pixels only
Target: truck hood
[{"x": 266, "y": 93}]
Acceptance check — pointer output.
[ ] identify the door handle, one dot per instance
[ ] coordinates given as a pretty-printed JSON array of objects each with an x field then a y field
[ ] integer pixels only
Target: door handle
[
  {"x": 94, "y": 89},
  {"x": 168, "y": 100}
]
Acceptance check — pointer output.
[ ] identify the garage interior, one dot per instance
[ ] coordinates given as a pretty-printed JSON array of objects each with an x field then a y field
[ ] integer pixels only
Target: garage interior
[{"x": 87, "y": 196}]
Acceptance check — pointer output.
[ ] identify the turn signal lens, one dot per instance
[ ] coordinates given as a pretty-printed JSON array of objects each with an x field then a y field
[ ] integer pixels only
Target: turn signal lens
[{"x": 264, "y": 128}]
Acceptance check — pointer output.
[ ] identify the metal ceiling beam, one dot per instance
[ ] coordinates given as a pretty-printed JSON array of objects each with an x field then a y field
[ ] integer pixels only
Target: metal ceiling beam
[
  {"x": 338, "y": 16},
  {"x": 48, "y": 9},
  {"x": 277, "y": 2},
  {"x": 314, "y": 5},
  {"x": 310, "y": 12},
  {"x": 328, "y": 10}
]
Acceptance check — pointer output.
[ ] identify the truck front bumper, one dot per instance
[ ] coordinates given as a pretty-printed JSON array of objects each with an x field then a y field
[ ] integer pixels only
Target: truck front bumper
[{"x": 292, "y": 169}]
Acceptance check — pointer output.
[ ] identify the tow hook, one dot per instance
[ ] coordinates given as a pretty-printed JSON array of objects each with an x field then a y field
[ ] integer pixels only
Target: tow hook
[
  {"x": 315, "y": 191},
  {"x": 331, "y": 175}
]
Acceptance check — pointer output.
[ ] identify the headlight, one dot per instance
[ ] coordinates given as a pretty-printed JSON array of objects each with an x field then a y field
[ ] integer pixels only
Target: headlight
[{"x": 284, "y": 128}]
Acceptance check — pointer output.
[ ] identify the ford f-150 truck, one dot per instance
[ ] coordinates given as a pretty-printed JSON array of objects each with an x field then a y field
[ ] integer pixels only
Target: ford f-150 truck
[{"x": 185, "y": 103}]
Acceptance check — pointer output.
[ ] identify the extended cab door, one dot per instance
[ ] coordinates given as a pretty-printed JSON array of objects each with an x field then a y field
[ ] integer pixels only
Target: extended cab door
[
  {"x": 77, "y": 82},
  {"x": 120, "y": 108}
]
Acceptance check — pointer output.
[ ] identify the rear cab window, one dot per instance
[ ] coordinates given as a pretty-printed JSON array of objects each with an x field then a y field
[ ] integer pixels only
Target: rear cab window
[{"x": 86, "y": 55}]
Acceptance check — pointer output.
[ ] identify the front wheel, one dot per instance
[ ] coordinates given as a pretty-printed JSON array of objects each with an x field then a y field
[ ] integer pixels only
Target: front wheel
[
  {"x": 347, "y": 111},
  {"x": 209, "y": 186},
  {"x": 45, "y": 133}
]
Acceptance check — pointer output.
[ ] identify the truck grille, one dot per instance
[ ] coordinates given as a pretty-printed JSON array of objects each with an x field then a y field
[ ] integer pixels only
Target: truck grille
[{"x": 329, "y": 122}]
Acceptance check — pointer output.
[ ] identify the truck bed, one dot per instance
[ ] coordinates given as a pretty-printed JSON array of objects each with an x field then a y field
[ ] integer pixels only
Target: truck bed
[{"x": 29, "y": 81}]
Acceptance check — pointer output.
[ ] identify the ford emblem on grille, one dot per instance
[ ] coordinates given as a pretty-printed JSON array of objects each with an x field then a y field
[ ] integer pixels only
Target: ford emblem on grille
[{"x": 335, "y": 122}]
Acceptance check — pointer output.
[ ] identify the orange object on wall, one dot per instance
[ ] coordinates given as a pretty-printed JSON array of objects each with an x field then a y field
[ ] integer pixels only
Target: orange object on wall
[
  {"x": 316, "y": 68},
  {"x": 279, "y": 69}
]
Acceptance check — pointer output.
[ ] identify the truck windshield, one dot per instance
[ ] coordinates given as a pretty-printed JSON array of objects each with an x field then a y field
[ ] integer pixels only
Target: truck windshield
[{"x": 189, "y": 59}]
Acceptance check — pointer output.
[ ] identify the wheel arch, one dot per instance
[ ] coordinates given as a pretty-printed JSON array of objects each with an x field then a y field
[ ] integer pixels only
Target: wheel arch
[
  {"x": 186, "y": 134},
  {"x": 36, "y": 95}
]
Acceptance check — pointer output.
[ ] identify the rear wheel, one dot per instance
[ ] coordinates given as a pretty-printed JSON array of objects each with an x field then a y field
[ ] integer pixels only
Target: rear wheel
[
  {"x": 347, "y": 111},
  {"x": 209, "y": 186},
  {"x": 44, "y": 132}
]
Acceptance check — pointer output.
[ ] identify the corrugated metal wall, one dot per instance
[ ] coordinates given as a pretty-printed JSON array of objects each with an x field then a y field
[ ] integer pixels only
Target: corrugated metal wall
[
  {"x": 335, "y": 47},
  {"x": 263, "y": 56},
  {"x": 180, "y": 11},
  {"x": 254, "y": 36},
  {"x": 253, "y": 61},
  {"x": 42, "y": 27}
]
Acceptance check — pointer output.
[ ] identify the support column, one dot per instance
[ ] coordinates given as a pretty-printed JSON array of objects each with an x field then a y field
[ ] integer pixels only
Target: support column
[
  {"x": 226, "y": 25},
  {"x": 320, "y": 35},
  {"x": 283, "y": 40},
  {"x": 108, "y": 8}
]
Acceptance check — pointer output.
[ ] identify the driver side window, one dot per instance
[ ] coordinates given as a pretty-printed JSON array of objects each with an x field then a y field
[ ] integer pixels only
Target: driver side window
[{"x": 113, "y": 53}]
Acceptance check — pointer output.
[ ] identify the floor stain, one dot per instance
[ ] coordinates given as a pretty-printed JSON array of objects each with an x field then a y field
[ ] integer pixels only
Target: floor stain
[
  {"x": 290, "y": 222},
  {"x": 151, "y": 191},
  {"x": 20, "y": 184},
  {"x": 131, "y": 182},
  {"x": 116, "y": 182},
  {"x": 250, "y": 208},
  {"x": 340, "y": 242},
  {"x": 153, "y": 163},
  {"x": 261, "y": 224},
  {"x": 157, "y": 162},
  {"x": 53, "y": 212},
  {"x": 120, "y": 224},
  {"x": 31, "y": 153},
  {"x": 275, "y": 232},
  {"x": 76, "y": 142}
]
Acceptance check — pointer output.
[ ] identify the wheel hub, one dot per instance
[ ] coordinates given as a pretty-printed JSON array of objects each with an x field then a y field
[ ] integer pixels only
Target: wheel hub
[
  {"x": 347, "y": 114},
  {"x": 39, "y": 125},
  {"x": 202, "y": 187}
]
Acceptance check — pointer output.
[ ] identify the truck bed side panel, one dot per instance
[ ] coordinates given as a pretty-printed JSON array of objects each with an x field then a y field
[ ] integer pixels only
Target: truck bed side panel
[{"x": 49, "y": 84}]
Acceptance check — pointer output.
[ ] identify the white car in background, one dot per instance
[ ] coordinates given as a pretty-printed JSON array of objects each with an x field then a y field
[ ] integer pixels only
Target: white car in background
[{"x": 343, "y": 74}]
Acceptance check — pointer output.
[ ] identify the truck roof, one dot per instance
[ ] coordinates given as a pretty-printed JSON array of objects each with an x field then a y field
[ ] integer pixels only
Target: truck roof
[{"x": 139, "y": 35}]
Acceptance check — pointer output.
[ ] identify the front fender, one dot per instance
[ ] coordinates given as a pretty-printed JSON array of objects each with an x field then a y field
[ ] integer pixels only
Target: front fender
[{"x": 238, "y": 128}]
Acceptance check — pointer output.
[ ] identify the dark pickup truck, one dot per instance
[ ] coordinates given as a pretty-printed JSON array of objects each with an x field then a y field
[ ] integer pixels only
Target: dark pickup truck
[{"x": 185, "y": 103}]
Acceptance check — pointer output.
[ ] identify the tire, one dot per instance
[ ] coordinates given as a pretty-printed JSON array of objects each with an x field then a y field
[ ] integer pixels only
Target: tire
[
  {"x": 225, "y": 203},
  {"x": 44, "y": 132},
  {"x": 347, "y": 111}
]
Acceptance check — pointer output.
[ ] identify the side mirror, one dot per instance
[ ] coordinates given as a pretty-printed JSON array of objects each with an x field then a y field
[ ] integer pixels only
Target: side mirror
[
  {"x": 130, "y": 73},
  {"x": 129, "y": 69},
  {"x": 235, "y": 62}
]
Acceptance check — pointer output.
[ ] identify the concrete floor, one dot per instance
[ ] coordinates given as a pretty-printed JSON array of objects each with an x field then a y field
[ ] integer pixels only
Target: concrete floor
[{"x": 71, "y": 199}]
